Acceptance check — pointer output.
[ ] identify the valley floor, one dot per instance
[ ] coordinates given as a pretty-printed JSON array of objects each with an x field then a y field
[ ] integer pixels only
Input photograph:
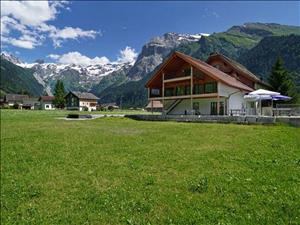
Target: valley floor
[{"x": 121, "y": 171}]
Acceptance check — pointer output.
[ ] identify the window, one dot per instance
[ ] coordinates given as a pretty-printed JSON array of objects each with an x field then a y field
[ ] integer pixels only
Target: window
[
  {"x": 155, "y": 92},
  {"x": 198, "y": 89},
  {"x": 187, "y": 90},
  {"x": 180, "y": 90},
  {"x": 169, "y": 91},
  {"x": 196, "y": 106},
  {"x": 213, "y": 108},
  {"x": 47, "y": 106},
  {"x": 210, "y": 87},
  {"x": 199, "y": 75}
]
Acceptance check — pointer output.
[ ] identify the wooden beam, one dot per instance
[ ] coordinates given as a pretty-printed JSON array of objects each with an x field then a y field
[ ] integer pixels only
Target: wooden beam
[
  {"x": 163, "y": 90},
  {"x": 218, "y": 105},
  {"x": 191, "y": 89},
  {"x": 177, "y": 79},
  {"x": 210, "y": 95},
  {"x": 152, "y": 106}
]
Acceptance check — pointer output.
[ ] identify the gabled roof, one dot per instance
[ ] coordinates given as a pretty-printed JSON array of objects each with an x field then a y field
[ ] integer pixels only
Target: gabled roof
[
  {"x": 84, "y": 95},
  {"x": 207, "y": 69},
  {"x": 46, "y": 98},
  {"x": 31, "y": 100},
  {"x": 15, "y": 97},
  {"x": 239, "y": 67}
]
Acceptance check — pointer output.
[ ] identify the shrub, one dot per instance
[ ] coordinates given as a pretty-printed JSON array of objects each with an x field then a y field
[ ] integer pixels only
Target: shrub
[{"x": 16, "y": 106}]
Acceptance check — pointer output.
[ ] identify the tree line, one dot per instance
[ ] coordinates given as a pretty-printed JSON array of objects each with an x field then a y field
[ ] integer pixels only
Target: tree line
[{"x": 281, "y": 81}]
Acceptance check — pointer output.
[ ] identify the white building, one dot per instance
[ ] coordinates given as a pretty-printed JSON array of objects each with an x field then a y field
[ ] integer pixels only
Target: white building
[
  {"x": 46, "y": 102},
  {"x": 82, "y": 101}
]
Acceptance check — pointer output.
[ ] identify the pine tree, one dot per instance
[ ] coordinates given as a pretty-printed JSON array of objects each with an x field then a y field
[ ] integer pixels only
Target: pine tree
[
  {"x": 281, "y": 81},
  {"x": 59, "y": 95}
]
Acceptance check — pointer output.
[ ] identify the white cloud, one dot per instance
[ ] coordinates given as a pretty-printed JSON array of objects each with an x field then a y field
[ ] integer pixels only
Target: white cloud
[
  {"x": 31, "y": 13},
  {"x": 71, "y": 33},
  {"x": 30, "y": 18},
  {"x": 128, "y": 55},
  {"x": 53, "y": 56},
  {"x": 79, "y": 59},
  {"x": 25, "y": 41}
]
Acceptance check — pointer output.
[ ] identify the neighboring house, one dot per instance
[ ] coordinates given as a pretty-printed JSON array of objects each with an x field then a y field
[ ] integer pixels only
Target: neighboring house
[
  {"x": 81, "y": 101},
  {"x": 154, "y": 106},
  {"x": 30, "y": 103},
  {"x": 186, "y": 85},
  {"x": 46, "y": 102},
  {"x": 12, "y": 99}
]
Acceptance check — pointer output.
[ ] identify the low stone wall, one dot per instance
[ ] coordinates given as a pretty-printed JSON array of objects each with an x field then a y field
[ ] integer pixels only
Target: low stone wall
[
  {"x": 211, "y": 119},
  {"x": 294, "y": 121}
]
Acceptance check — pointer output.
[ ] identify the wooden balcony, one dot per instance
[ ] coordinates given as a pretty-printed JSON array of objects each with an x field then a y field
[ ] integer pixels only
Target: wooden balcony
[
  {"x": 176, "y": 79},
  {"x": 206, "y": 95}
]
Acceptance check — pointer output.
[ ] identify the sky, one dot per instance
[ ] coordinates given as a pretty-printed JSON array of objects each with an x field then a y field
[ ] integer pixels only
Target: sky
[{"x": 92, "y": 32}]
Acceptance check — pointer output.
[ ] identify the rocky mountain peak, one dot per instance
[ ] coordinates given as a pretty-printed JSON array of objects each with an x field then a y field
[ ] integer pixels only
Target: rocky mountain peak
[{"x": 11, "y": 58}]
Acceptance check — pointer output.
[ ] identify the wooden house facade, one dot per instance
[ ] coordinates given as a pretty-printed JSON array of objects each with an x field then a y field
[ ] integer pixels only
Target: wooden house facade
[{"x": 186, "y": 85}]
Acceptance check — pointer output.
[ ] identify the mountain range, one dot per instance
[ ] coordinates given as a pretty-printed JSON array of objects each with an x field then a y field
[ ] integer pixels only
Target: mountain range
[{"x": 255, "y": 45}]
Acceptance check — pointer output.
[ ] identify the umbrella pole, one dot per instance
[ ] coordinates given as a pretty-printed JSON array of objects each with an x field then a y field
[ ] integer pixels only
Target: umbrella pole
[{"x": 260, "y": 107}]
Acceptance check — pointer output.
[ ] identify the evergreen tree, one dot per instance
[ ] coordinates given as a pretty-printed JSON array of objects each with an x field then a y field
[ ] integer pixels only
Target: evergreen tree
[
  {"x": 59, "y": 95},
  {"x": 281, "y": 81}
]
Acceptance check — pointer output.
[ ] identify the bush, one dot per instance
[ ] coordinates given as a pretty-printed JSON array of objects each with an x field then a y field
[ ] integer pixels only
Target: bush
[
  {"x": 110, "y": 108},
  {"x": 16, "y": 106}
]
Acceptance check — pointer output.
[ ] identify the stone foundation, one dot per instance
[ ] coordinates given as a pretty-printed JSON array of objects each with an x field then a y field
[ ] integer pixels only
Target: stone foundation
[{"x": 219, "y": 119}]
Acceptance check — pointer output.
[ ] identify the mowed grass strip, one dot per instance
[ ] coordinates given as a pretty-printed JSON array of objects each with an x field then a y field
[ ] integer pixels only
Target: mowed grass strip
[{"x": 121, "y": 171}]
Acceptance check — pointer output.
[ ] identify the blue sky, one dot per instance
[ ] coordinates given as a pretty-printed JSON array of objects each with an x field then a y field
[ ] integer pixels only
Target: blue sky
[{"x": 99, "y": 31}]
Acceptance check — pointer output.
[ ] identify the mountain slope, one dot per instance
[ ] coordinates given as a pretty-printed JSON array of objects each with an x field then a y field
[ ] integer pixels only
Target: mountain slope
[
  {"x": 15, "y": 79},
  {"x": 75, "y": 77},
  {"x": 262, "y": 57}
]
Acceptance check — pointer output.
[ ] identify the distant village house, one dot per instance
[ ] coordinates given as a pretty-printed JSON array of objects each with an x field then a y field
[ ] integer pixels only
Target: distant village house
[
  {"x": 14, "y": 99},
  {"x": 82, "y": 101},
  {"x": 46, "y": 102},
  {"x": 30, "y": 103}
]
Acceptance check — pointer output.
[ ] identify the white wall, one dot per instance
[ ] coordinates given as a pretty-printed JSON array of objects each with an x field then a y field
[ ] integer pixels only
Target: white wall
[
  {"x": 234, "y": 96},
  {"x": 204, "y": 106},
  {"x": 50, "y": 106},
  {"x": 84, "y": 103},
  {"x": 234, "y": 99}
]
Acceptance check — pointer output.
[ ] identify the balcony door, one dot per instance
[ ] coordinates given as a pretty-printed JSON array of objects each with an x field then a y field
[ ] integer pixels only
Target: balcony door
[{"x": 213, "y": 108}]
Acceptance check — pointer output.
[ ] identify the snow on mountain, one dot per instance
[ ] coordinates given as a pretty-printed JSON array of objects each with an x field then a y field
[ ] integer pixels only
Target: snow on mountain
[
  {"x": 11, "y": 58},
  {"x": 83, "y": 77},
  {"x": 75, "y": 77}
]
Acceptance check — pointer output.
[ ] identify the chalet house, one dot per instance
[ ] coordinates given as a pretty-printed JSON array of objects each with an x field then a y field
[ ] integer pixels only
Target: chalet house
[
  {"x": 82, "y": 101},
  {"x": 12, "y": 99},
  {"x": 46, "y": 102},
  {"x": 186, "y": 85},
  {"x": 30, "y": 103}
]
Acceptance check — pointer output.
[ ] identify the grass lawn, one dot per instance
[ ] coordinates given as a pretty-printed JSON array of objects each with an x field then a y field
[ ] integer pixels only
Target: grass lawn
[{"x": 121, "y": 171}]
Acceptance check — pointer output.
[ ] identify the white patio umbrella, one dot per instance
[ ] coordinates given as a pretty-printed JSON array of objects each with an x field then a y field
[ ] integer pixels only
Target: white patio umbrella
[
  {"x": 259, "y": 95},
  {"x": 262, "y": 94}
]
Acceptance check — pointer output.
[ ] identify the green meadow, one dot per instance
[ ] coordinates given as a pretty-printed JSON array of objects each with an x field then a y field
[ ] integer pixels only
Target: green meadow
[{"x": 121, "y": 171}]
